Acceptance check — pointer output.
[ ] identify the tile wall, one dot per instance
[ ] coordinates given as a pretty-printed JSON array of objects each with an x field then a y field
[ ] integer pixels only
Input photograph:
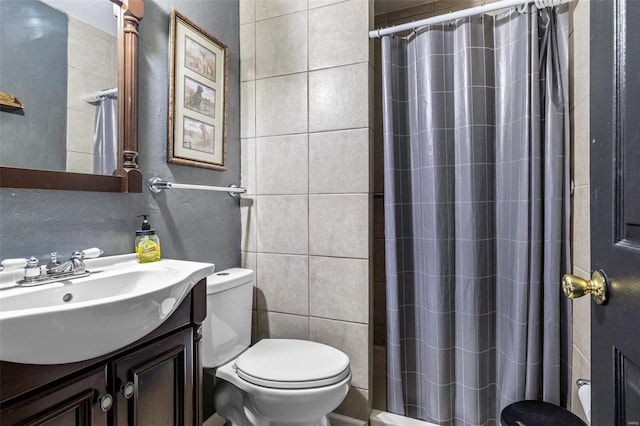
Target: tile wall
[
  {"x": 305, "y": 163},
  {"x": 92, "y": 59},
  {"x": 306, "y": 129},
  {"x": 579, "y": 95}
]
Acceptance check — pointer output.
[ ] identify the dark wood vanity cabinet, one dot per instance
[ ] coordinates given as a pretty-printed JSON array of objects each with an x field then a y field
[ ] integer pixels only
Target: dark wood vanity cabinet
[
  {"x": 73, "y": 402},
  {"x": 155, "y": 381},
  {"x": 152, "y": 384}
]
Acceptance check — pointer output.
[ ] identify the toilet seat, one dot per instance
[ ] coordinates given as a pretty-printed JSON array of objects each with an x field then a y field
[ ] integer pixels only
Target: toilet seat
[{"x": 292, "y": 364}]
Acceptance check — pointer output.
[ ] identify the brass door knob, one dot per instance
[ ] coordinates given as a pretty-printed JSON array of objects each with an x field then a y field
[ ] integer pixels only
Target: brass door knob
[{"x": 574, "y": 286}]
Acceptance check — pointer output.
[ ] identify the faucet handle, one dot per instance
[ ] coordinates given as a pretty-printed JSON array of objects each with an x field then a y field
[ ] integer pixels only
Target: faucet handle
[
  {"x": 91, "y": 253},
  {"x": 13, "y": 264},
  {"x": 53, "y": 260},
  {"x": 32, "y": 268}
]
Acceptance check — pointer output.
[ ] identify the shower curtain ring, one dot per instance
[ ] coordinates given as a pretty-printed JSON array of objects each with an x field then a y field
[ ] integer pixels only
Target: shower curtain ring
[{"x": 521, "y": 9}]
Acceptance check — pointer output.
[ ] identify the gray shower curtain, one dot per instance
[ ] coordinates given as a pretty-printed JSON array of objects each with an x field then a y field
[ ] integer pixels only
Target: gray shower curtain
[
  {"x": 105, "y": 137},
  {"x": 476, "y": 137}
]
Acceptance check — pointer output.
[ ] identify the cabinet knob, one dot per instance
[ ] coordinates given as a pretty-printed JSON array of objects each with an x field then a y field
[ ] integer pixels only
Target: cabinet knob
[
  {"x": 106, "y": 402},
  {"x": 128, "y": 389}
]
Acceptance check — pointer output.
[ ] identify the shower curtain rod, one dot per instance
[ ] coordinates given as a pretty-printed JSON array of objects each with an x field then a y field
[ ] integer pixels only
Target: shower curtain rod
[
  {"x": 503, "y": 4},
  {"x": 100, "y": 94}
]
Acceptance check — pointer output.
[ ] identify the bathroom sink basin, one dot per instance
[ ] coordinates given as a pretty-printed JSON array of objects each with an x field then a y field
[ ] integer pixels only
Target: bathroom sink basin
[{"x": 83, "y": 318}]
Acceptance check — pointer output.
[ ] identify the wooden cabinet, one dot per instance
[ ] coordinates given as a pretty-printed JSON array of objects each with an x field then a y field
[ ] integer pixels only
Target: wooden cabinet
[
  {"x": 151, "y": 384},
  {"x": 155, "y": 381},
  {"x": 72, "y": 403}
]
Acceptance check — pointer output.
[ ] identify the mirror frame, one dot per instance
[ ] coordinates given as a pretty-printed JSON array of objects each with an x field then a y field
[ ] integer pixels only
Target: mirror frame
[{"x": 128, "y": 177}]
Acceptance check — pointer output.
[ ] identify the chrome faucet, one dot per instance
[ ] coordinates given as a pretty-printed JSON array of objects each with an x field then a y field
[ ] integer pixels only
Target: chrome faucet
[
  {"x": 73, "y": 266},
  {"x": 55, "y": 270}
]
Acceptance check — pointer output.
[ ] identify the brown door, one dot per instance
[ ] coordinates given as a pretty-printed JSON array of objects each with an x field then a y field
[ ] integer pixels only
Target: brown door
[
  {"x": 615, "y": 210},
  {"x": 73, "y": 403},
  {"x": 154, "y": 386}
]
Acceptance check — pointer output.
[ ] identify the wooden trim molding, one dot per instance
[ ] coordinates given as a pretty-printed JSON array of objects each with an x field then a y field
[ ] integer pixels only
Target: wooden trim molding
[
  {"x": 13, "y": 177},
  {"x": 133, "y": 11}
]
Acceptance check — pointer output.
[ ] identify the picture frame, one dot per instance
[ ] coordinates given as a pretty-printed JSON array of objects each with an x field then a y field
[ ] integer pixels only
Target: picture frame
[{"x": 198, "y": 96}]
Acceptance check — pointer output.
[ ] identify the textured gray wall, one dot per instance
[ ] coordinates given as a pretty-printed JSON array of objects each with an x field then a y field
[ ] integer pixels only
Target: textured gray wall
[{"x": 192, "y": 225}]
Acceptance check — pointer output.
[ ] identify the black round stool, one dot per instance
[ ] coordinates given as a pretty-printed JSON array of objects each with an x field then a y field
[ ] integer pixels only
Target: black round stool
[{"x": 538, "y": 413}]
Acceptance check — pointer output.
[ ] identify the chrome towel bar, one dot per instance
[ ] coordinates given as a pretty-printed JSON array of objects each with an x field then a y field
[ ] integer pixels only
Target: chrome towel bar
[{"x": 157, "y": 184}]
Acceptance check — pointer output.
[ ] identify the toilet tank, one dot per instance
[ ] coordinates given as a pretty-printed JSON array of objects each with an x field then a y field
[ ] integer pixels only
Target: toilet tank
[{"x": 226, "y": 331}]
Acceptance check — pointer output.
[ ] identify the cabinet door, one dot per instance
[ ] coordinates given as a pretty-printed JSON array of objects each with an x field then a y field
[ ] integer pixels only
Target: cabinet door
[
  {"x": 154, "y": 385},
  {"x": 73, "y": 403}
]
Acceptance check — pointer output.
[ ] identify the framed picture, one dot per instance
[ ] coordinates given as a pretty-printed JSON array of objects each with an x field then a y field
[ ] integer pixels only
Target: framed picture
[{"x": 197, "y": 96}]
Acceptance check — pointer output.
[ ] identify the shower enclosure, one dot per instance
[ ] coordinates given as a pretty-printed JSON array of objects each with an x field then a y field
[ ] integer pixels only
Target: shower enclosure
[{"x": 476, "y": 202}]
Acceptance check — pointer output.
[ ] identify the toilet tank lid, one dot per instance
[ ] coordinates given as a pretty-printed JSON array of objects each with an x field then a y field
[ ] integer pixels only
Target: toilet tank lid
[{"x": 229, "y": 278}]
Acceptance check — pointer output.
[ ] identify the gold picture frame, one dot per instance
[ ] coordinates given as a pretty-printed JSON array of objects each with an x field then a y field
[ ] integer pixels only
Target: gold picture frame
[{"x": 197, "y": 96}]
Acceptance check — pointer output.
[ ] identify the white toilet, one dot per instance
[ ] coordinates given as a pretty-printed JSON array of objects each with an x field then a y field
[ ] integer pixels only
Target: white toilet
[{"x": 276, "y": 381}]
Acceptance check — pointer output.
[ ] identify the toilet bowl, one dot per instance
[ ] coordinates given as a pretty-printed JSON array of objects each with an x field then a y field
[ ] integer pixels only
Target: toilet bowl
[{"x": 275, "y": 382}]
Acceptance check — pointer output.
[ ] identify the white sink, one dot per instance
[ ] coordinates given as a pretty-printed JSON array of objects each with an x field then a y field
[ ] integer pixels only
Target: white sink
[{"x": 69, "y": 321}]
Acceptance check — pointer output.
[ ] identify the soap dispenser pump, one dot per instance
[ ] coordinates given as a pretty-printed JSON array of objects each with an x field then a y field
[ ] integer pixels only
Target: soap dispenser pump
[{"x": 147, "y": 242}]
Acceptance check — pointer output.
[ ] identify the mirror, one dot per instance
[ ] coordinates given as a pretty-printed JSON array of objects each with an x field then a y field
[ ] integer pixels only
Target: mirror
[{"x": 37, "y": 147}]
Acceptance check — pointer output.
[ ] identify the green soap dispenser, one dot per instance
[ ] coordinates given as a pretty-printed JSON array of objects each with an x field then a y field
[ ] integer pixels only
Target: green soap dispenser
[{"x": 147, "y": 242}]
